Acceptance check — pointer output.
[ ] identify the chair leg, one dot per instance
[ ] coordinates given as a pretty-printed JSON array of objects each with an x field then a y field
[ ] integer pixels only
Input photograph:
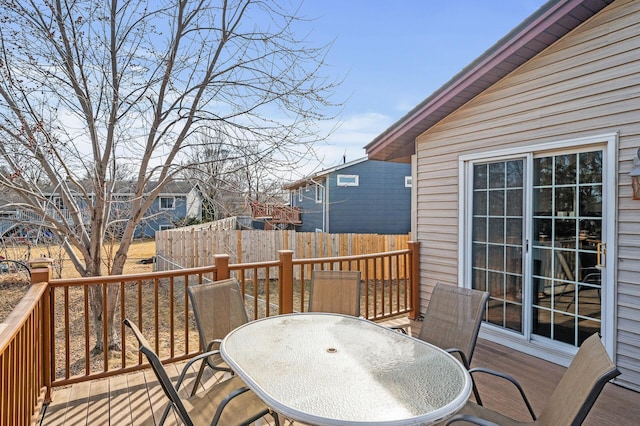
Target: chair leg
[
  {"x": 165, "y": 413},
  {"x": 476, "y": 394},
  {"x": 199, "y": 376}
]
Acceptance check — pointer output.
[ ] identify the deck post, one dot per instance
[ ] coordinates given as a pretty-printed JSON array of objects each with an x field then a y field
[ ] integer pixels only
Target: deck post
[
  {"x": 414, "y": 262},
  {"x": 222, "y": 266},
  {"x": 286, "y": 281},
  {"x": 40, "y": 270},
  {"x": 41, "y": 273}
]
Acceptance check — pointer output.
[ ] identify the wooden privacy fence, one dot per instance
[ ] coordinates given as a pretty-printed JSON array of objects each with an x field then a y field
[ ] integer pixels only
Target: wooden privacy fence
[{"x": 198, "y": 246}]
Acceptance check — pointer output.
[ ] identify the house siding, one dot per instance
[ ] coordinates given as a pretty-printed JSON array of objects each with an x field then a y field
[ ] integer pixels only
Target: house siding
[
  {"x": 379, "y": 204},
  {"x": 586, "y": 84},
  {"x": 158, "y": 217}
]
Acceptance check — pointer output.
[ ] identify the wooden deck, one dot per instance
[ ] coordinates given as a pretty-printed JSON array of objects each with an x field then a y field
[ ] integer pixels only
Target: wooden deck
[{"x": 137, "y": 399}]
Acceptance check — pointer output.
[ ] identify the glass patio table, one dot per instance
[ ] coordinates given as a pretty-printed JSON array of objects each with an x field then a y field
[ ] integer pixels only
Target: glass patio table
[{"x": 328, "y": 369}]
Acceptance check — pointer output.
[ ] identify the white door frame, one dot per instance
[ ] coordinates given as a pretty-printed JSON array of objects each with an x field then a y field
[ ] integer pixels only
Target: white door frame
[{"x": 558, "y": 353}]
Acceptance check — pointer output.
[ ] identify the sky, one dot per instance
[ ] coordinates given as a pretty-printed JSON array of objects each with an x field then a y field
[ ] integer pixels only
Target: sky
[{"x": 394, "y": 54}]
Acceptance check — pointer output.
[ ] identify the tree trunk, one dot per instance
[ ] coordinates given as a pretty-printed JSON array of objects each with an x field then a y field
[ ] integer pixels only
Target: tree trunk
[{"x": 103, "y": 309}]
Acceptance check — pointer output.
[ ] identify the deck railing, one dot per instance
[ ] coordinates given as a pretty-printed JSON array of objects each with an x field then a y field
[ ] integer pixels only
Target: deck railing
[
  {"x": 49, "y": 337},
  {"x": 277, "y": 213},
  {"x": 25, "y": 377}
]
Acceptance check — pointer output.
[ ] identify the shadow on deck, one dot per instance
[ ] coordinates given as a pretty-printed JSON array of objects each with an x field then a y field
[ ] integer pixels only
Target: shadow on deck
[{"x": 137, "y": 399}]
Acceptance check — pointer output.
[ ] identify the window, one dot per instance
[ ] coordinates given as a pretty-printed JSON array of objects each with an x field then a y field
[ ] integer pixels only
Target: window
[
  {"x": 407, "y": 182},
  {"x": 299, "y": 194},
  {"x": 319, "y": 193},
  {"x": 167, "y": 203},
  {"x": 57, "y": 201},
  {"x": 348, "y": 180},
  {"x": 164, "y": 227}
]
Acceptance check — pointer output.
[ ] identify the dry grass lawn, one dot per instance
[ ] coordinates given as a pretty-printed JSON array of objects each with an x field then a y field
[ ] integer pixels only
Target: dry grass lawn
[{"x": 14, "y": 285}]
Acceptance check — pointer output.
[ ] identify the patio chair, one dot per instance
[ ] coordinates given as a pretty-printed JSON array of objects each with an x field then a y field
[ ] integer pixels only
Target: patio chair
[
  {"x": 571, "y": 400},
  {"x": 452, "y": 321},
  {"x": 227, "y": 402},
  {"x": 218, "y": 308},
  {"x": 337, "y": 292},
  {"x": 453, "y": 318}
]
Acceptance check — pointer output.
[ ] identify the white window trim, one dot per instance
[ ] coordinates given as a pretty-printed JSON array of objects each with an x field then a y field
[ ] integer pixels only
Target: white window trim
[
  {"x": 164, "y": 227},
  {"x": 524, "y": 343},
  {"x": 299, "y": 194},
  {"x": 319, "y": 193},
  {"x": 173, "y": 204},
  {"x": 58, "y": 202},
  {"x": 354, "y": 182}
]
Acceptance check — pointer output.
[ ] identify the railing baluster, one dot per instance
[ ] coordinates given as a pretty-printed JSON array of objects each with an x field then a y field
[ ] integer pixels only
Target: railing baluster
[
  {"x": 123, "y": 342},
  {"x": 171, "y": 324},
  {"x": 67, "y": 338},
  {"x": 87, "y": 348},
  {"x": 156, "y": 319},
  {"x": 105, "y": 329},
  {"x": 140, "y": 324},
  {"x": 185, "y": 296}
]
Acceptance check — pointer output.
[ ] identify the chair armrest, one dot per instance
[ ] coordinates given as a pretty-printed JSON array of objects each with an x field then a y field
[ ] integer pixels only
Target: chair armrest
[
  {"x": 211, "y": 343},
  {"x": 463, "y": 357},
  {"x": 469, "y": 419},
  {"x": 398, "y": 328},
  {"x": 509, "y": 379},
  {"x": 191, "y": 362}
]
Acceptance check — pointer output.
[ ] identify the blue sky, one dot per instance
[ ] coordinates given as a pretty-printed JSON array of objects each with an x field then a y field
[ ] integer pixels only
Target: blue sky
[{"x": 394, "y": 54}]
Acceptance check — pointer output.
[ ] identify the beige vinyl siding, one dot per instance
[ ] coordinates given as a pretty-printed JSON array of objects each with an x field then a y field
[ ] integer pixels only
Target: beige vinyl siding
[{"x": 586, "y": 84}]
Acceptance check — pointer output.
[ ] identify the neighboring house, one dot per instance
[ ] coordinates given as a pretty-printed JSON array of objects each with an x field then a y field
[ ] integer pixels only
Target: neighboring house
[
  {"x": 178, "y": 201},
  {"x": 523, "y": 182},
  {"x": 362, "y": 196}
]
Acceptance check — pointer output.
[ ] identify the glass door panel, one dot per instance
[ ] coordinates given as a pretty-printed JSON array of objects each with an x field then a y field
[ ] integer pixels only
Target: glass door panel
[
  {"x": 567, "y": 229},
  {"x": 498, "y": 241}
]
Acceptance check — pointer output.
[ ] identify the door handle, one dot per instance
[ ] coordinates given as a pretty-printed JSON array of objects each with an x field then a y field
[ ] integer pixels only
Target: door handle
[{"x": 602, "y": 252}]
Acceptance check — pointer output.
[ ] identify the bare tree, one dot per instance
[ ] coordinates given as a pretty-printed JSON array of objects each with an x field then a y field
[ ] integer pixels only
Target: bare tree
[
  {"x": 89, "y": 88},
  {"x": 229, "y": 176}
]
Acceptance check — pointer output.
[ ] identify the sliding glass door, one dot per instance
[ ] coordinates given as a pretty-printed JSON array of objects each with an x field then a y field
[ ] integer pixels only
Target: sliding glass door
[{"x": 536, "y": 243}]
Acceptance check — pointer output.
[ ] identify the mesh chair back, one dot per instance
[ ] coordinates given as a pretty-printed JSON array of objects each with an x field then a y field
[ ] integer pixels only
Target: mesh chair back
[
  {"x": 160, "y": 373},
  {"x": 580, "y": 385},
  {"x": 218, "y": 307},
  {"x": 453, "y": 318},
  {"x": 337, "y": 292}
]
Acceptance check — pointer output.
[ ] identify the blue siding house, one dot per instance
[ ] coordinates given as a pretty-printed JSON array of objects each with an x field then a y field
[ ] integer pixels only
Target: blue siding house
[
  {"x": 362, "y": 196},
  {"x": 178, "y": 201}
]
